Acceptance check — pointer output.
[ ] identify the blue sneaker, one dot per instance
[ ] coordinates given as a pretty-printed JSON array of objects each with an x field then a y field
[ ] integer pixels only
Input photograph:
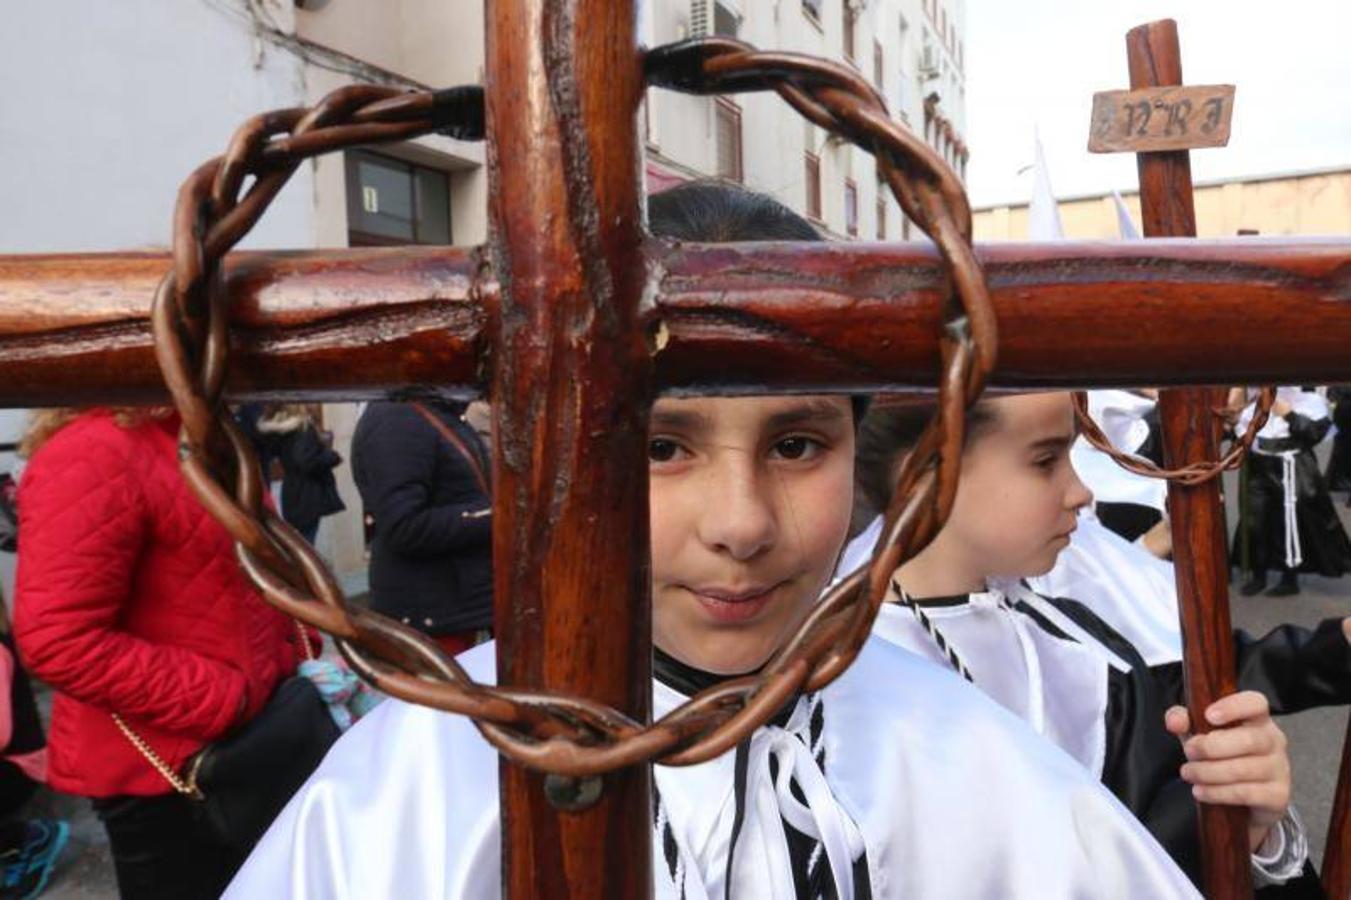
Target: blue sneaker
[{"x": 27, "y": 869}]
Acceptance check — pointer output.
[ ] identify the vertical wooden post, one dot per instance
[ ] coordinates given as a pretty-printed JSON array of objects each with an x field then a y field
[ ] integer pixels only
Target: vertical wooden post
[
  {"x": 1337, "y": 853},
  {"x": 1191, "y": 434},
  {"x": 571, "y": 387}
]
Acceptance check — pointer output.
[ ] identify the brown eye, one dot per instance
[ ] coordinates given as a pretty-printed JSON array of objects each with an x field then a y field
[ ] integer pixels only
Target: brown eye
[
  {"x": 796, "y": 448},
  {"x": 661, "y": 450}
]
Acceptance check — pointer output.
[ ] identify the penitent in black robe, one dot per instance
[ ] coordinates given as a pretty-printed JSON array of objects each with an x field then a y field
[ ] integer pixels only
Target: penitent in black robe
[{"x": 1288, "y": 515}]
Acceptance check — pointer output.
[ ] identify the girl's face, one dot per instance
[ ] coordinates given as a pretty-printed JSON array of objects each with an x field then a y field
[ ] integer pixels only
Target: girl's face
[
  {"x": 1018, "y": 497},
  {"x": 750, "y": 501}
]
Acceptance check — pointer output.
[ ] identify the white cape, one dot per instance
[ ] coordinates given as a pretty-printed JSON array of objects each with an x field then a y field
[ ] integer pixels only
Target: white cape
[
  {"x": 948, "y": 794},
  {"x": 1058, "y": 687},
  {"x": 1128, "y": 587},
  {"x": 1125, "y": 585},
  {"x": 1120, "y": 415},
  {"x": 1309, "y": 404}
]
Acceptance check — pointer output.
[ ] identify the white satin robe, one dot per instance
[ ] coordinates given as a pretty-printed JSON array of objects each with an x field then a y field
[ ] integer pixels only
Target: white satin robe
[
  {"x": 1127, "y": 587},
  {"x": 1120, "y": 415},
  {"x": 949, "y": 795}
]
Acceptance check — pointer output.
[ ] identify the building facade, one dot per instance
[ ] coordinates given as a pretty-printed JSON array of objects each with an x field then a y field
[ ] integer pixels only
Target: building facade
[
  {"x": 1308, "y": 203},
  {"x": 913, "y": 51},
  {"x": 126, "y": 98}
]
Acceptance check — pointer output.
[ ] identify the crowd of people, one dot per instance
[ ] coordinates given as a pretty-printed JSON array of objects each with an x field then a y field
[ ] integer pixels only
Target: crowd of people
[{"x": 1013, "y": 728}]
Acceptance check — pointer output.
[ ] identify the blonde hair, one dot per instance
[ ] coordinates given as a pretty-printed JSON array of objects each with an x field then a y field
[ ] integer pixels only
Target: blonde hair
[{"x": 46, "y": 422}]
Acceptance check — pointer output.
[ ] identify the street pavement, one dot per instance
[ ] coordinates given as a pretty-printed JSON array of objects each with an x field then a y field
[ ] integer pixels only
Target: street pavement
[{"x": 85, "y": 871}]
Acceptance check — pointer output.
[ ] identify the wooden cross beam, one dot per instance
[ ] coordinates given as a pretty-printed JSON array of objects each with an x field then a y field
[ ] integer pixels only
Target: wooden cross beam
[
  {"x": 1191, "y": 433},
  {"x": 772, "y": 316},
  {"x": 1162, "y": 121},
  {"x": 573, "y": 321}
]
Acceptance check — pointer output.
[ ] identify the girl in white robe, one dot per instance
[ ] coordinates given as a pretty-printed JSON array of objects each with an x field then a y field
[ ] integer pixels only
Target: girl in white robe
[
  {"x": 897, "y": 780},
  {"x": 1125, "y": 585},
  {"x": 1059, "y": 666}
]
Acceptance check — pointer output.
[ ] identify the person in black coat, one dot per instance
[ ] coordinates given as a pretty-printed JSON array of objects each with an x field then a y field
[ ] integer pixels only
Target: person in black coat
[
  {"x": 422, "y": 474},
  {"x": 1339, "y": 464},
  {"x": 308, "y": 489}
]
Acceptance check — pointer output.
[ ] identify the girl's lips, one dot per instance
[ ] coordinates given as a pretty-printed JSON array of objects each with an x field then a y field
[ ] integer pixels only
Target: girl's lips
[{"x": 731, "y": 607}]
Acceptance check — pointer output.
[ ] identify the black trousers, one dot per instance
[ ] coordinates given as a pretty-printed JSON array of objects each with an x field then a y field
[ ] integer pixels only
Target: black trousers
[{"x": 162, "y": 850}]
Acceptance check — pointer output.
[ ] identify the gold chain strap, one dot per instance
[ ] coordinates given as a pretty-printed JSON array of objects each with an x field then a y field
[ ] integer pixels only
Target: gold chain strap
[
  {"x": 188, "y": 786},
  {"x": 304, "y": 641}
]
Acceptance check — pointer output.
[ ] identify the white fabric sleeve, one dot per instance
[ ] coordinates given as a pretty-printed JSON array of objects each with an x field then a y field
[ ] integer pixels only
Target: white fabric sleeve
[{"x": 1283, "y": 852}]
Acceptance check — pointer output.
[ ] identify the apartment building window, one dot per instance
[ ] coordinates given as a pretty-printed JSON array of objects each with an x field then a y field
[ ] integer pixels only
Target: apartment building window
[
  {"x": 728, "y": 138},
  {"x": 812, "y": 8},
  {"x": 725, "y": 22},
  {"x": 851, "y": 207},
  {"x": 390, "y": 202},
  {"x": 879, "y": 69},
  {"x": 881, "y": 215},
  {"x": 813, "y": 182},
  {"x": 850, "y": 20}
]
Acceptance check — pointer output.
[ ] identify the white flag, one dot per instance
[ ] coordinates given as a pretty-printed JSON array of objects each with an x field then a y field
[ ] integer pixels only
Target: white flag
[
  {"x": 1124, "y": 223},
  {"x": 1043, "y": 215}
]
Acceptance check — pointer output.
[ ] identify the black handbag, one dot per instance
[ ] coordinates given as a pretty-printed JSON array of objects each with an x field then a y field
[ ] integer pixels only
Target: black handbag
[{"x": 242, "y": 781}]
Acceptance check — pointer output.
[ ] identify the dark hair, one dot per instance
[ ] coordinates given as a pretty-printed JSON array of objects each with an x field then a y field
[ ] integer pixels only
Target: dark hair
[
  {"x": 713, "y": 212},
  {"x": 887, "y": 433}
]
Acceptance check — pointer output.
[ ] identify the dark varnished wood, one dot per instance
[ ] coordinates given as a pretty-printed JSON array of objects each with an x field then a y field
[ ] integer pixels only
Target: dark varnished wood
[
  {"x": 1070, "y": 314},
  {"x": 1191, "y": 434},
  {"x": 326, "y": 325},
  {"x": 571, "y": 386},
  {"x": 1337, "y": 853},
  {"x": 1133, "y": 312}
]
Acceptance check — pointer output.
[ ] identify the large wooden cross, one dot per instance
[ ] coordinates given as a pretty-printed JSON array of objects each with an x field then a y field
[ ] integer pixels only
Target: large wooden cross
[{"x": 574, "y": 320}]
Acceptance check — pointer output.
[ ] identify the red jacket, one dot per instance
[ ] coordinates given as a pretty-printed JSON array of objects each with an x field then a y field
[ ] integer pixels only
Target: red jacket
[{"x": 129, "y": 599}]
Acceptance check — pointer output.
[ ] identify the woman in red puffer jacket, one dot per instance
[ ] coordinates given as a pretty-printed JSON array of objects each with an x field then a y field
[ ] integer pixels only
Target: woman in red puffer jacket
[{"x": 129, "y": 600}]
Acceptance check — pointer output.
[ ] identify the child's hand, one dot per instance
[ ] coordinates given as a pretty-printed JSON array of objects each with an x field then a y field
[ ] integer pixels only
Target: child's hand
[
  {"x": 1243, "y": 762},
  {"x": 1346, "y": 628}
]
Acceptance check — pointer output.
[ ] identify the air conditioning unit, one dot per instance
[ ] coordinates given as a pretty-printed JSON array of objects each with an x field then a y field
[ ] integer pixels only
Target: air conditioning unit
[
  {"x": 930, "y": 61},
  {"x": 701, "y": 18}
]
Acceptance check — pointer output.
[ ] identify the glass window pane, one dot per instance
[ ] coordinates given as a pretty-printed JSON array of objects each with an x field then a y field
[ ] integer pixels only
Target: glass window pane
[
  {"x": 728, "y": 141},
  {"x": 725, "y": 21},
  {"x": 385, "y": 199},
  {"x": 813, "y": 186},
  {"x": 433, "y": 207}
]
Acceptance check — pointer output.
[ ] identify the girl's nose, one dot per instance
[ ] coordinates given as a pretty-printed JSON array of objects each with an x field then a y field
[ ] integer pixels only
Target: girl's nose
[
  {"x": 740, "y": 519},
  {"x": 1078, "y": 495}
]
